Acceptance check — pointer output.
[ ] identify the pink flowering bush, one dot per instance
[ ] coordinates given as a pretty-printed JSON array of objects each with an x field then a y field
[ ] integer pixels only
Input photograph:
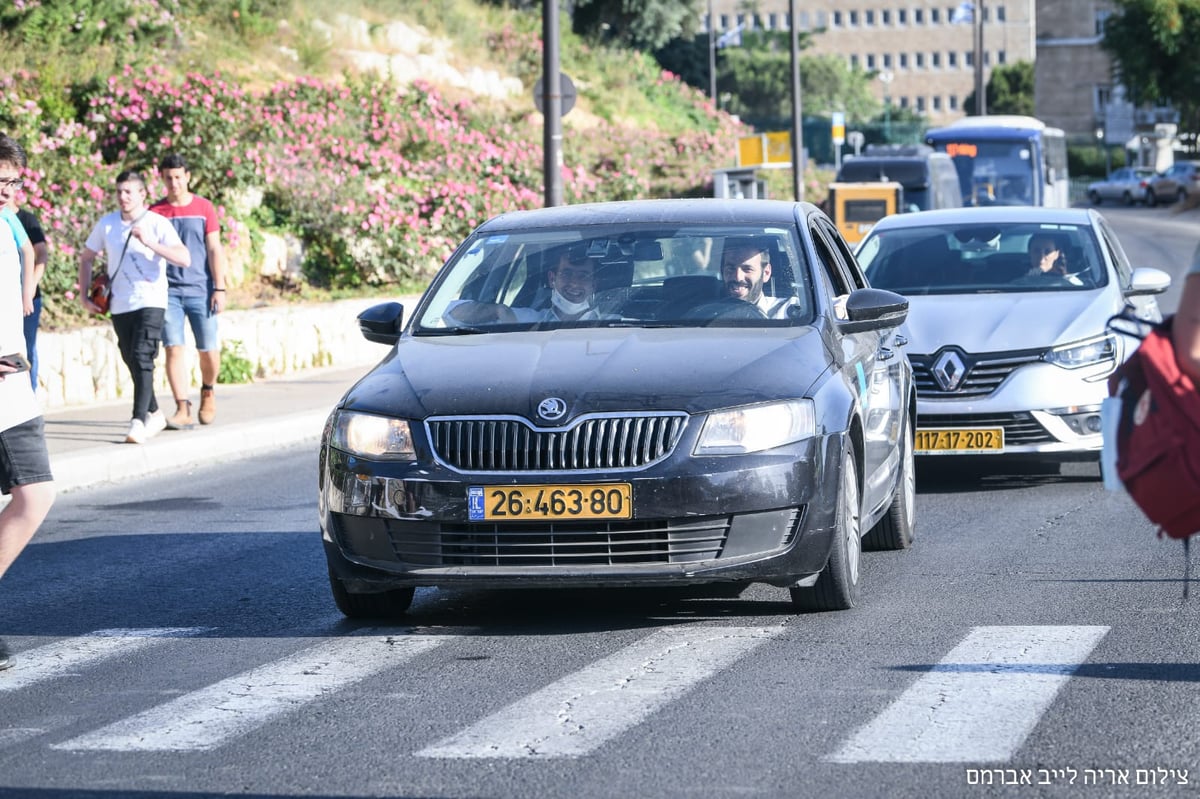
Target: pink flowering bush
[{"x": 379, "y": 180}]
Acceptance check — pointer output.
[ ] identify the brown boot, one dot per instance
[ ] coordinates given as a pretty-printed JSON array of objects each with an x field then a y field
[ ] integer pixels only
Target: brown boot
[
  {"x": 183, "y": 419},
  {"x": 208, "y": 405}
]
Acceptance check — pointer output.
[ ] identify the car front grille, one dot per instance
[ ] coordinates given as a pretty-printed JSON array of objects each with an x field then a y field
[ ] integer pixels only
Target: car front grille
[
  {"x": 1019, "y": 428},
  {"x": 984, "y": 373},
  {"x": 511, "y": 444}
]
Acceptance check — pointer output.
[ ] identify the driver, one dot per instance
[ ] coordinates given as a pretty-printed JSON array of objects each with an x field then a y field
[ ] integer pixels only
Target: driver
[{"x": 745, "y": 269}]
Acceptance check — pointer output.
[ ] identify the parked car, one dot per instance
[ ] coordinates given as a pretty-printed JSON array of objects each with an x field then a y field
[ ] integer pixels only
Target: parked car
[
  {"x": 1175, "y": 183},
  {"x": 1127, "y": 184},
  {"x": 674, "y": 435},
  {"x": 1010, "y": 361}
]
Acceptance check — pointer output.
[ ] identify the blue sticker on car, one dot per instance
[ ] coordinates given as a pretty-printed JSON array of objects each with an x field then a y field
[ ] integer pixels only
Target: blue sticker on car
[
  {"x": 862, "y": 379},
  {"x": 475, "y": 503}
]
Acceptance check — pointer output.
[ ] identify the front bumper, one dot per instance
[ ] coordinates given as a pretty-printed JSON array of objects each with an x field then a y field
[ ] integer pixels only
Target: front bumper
[{"x": 764, "y": 518}]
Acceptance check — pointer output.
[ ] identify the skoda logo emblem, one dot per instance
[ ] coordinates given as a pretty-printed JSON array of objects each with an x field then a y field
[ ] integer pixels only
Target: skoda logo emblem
[
  {"x": 552, "y": 409},
  {"x": 949, "y": 370}
]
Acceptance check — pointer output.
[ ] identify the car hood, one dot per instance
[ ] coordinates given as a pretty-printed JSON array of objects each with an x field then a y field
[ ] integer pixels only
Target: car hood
[
  {"x": 1000, "y": 322},
  {"x": 592, "y": 370}
]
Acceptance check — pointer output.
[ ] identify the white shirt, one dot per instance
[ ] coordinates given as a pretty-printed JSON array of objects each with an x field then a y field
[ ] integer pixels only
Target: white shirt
[
  {"x": 18, "y": 403},
  {"x": 141, "y": 276}
]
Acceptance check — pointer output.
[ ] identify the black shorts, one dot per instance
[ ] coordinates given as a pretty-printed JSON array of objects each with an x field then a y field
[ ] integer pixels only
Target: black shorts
[{"x": 24, "y": 458}]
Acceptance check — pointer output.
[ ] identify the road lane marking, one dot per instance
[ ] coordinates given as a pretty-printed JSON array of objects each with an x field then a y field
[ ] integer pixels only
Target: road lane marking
[
  {"x": 209, "y": 717},
  {"x": 980, "y": 702},
  {"x": 578, "y": 713},
  {"x": 66, "y": 657}
]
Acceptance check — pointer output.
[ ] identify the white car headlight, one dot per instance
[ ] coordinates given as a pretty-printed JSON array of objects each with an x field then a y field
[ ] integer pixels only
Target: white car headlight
[
  {"x": 755, "y": 428},
  {"x": 1086, "y": 353},
  {"x": 373, "y": 436}
]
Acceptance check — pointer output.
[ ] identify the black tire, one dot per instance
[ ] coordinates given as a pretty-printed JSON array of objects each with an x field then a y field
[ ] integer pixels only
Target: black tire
[
  {"x": 1095, "y": 197},
  {"x": 1151, "y": 198},
  {"x": 382, "y": 605},
  {"x": 895, "y": 530},
  {"x": 1127, "y": 198},
  {"x": 837, "y": 586}
]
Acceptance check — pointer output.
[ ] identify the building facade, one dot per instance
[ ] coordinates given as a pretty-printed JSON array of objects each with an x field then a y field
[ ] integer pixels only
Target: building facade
[{"x": 923, "y": 52}]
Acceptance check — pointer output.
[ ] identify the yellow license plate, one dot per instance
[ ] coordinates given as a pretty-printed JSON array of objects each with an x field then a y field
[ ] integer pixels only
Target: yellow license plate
[
  {"x": 965, "y": 440},
  {"x": 570, "y": 502}
]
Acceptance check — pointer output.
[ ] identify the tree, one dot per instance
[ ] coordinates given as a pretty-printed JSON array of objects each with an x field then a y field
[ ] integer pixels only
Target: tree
[
  {"x": 640, "y": 24},
  {"x": 1153, "y": 44},
  {"x": 1009, "y": 90}
]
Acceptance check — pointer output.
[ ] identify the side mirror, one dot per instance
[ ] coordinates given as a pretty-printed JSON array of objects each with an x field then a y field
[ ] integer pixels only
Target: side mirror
[
  {"x": 382, "y": 323},
  {"x": 1147, "y": 280},
  {"x": 873, "y": 309}
]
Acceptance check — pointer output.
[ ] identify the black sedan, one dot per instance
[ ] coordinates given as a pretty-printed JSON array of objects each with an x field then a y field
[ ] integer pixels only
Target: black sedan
[{"x": 650, "y": 393}]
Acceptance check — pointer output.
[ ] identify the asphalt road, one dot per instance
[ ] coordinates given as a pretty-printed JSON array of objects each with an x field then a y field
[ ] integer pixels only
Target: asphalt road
[{"x": 176, "y": 638}]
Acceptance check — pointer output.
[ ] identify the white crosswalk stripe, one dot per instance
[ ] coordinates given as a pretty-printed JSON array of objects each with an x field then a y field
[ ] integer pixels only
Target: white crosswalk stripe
[
  {"x": 209, "y": 717},
  {"x": 578, "y": 713},
  {"x": 980, "y": 702},
  {"x": 72, "y": 654}
]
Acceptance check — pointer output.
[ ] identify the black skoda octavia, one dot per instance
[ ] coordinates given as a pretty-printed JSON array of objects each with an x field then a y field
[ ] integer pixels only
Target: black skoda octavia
[{"x": 648, "y": 393}]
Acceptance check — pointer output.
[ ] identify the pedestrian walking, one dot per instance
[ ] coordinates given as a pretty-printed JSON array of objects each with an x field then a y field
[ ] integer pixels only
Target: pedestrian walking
[
  {"x": 195, "y": 294},
  {"x": 138, "y": 244},
  {"x": 41, "y": 256},
  {"x": 24, "y": 460}
]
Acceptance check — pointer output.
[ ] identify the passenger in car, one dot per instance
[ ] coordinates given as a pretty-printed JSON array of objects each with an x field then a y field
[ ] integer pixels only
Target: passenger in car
[
  {"x": 746, "y": 269},
  {"x": 572, "y": 285}
]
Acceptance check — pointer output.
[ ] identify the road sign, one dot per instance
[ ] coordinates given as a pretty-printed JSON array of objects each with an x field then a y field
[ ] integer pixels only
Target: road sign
[
  {"x": 566, "y": 89},
  {"x": 765, "y": 148},
  {"x": 839, "y": 127}
]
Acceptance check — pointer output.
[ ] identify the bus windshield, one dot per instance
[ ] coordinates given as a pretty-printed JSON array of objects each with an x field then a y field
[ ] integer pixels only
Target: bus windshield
[{"x": 994, "y": 172}]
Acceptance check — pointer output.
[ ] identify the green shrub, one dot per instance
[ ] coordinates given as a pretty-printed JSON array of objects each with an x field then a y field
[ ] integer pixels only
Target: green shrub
[{"x": 235, "y": 366}]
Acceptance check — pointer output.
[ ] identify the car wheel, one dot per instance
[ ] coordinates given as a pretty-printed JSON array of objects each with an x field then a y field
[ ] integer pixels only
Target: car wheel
[
  {"x": 1151, "y": 199},
  {"x": 895, "y": 529},
  {"x": 837, "y": 586},
  {"x": 1095, "y": 197},
  {"x": 1127, "y": 198},
  {"x": 381, "y": 605}
]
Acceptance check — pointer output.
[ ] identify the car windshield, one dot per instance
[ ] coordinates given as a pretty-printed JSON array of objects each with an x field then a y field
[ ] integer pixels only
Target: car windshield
[
  {"x": 620, "y": 275},
  {"x": 983, "y": 258}
]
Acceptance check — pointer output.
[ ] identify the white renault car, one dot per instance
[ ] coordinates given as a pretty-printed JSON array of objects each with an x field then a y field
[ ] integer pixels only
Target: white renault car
[{"x": 1007, "y": 324}]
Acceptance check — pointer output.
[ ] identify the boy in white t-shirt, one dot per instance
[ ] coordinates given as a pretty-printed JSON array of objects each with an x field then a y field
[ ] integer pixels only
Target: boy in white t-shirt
[{"x": 24, "y": 460}]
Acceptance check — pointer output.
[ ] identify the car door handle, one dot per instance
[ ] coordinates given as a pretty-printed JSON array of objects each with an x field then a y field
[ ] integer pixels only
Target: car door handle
[
  {"x": 885, "y": 354},
  {"x": 900, "y": 340}
]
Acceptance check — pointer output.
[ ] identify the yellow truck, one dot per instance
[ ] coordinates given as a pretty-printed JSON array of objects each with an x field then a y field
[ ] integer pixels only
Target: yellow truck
[{"x": 856, "y": 207}]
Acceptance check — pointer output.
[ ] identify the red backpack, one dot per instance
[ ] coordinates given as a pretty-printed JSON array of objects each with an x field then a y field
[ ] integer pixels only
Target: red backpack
[{"x": 1158, "y": 436}]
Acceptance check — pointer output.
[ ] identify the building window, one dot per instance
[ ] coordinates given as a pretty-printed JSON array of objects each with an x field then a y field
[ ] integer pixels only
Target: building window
[
  {"x": 919, "y": 60},
  {"x": 803, "y": 22},
  {"x": 1101, "y": 18},
  {"x": 885, "y": 17},
  {"x": 837, "y": 19},
  {"x": 1001, "y": 57},
  {"x": 869, "y": 17},
  {"x": 901, "y": 16},
  {"x": 921, "y": 104},
  {"x": 937, "y": 102},
  {"x": 904, "y": 61},
  {"x": 952, "y": 59},
  {"x": 854, "y": 62},
  {"x": 903, "y": 102},
  {"x": 854, "y": 18},
  {"x": 870, "y": 61},
  {"x": 952, "y": 101},
  {"x": 934, "y": 16},
  {"x": 887, "y": 60},
  {"x": 918, "y": 16},
  {"x": 999, "y": 13},
  {"x": 724, "y": 22},
  {"x": 935, "y": 59},
  {"x": 822, "y": 19},
  {"x": 969, "y": 58},
  {"x": 987, "y": 58},
  {"x": 773, "y": 22}
]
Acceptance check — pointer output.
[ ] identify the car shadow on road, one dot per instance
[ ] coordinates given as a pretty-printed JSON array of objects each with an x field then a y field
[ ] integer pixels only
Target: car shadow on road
[{"x": 960, "y": 475}]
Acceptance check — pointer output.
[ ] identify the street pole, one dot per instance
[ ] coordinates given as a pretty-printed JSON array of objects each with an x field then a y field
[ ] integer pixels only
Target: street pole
[
  {"x": 712, "y": 56},
  {"x": 797, "y": 122},
  {"x": 980, "y": 93},
  {"x": 551, "y": 105}
]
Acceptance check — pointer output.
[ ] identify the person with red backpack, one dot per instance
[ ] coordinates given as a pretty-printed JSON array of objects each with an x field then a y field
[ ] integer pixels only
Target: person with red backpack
[{"x": 1186, "y": 330}]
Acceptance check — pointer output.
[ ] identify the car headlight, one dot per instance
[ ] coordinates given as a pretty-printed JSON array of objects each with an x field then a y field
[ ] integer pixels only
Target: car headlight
[
  {"x": 1086, "y": 353},
  {"x": 373, "y": 436},
  {"x": 755, "y": 428}
]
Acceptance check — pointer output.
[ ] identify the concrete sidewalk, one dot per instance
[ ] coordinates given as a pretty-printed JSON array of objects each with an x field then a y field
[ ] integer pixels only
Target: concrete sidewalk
[{"x": 87, "y": 443}]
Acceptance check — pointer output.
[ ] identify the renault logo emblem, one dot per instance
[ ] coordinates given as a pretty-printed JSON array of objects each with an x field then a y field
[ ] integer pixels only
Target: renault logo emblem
[
  {"x": 552, "y": 409},
  {"x": 949, "y": 370}
]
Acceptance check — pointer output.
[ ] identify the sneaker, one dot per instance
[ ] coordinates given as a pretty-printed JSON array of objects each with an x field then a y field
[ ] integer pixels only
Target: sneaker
[
  {"x": 208, "y": 406},
  {"x": 6, "y": 659},
  {"x": 155, "y": 424},
  {"x": 183, "y": 419},
  {"x": 137, "y": 432}
]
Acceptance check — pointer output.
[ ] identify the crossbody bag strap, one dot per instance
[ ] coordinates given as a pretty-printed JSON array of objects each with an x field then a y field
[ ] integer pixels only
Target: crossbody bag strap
[{"x": 125, "y": 248}]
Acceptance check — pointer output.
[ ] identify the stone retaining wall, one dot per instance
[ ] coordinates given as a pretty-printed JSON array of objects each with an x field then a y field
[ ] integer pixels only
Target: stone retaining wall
[{"x": 81, "y": 367}]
